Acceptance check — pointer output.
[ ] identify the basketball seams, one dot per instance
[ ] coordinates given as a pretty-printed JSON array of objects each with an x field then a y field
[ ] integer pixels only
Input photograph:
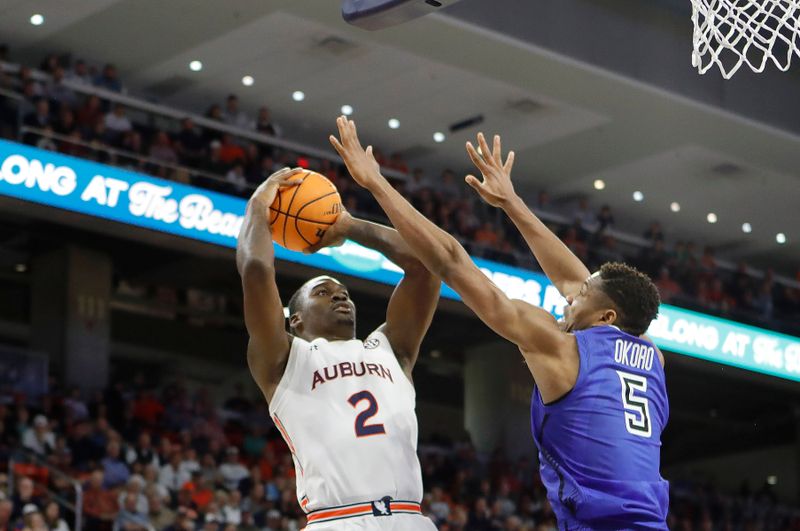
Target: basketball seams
[
  {"x": 280, "y": 200},
  {"x": 329, "y": 223},
  {"x": 289, "y": 206},
  {"x": 299, "y": 232},
  {"x": 314, "y": 201},
  {"x": 297, "y": 216}
]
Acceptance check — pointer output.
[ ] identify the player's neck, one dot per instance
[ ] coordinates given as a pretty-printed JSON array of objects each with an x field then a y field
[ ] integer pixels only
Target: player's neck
[{"x": 329, "y": 335}]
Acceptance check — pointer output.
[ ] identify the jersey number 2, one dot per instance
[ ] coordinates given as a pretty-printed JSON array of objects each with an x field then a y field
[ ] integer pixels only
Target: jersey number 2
[
  {"x": 637, "y": 407},
  {"x": 362, "y": 428}
]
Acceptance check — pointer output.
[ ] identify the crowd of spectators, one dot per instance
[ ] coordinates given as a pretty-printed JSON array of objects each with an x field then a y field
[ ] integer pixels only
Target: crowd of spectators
[
  {"x": 58, "y": 118},
  {"x": 171, "y": 459}
]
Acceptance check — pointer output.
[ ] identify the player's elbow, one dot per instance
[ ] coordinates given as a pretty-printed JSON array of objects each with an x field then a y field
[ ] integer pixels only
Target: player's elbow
[
  {"x": 416, "y": 269},
  {"x": 453, "y": 259}
]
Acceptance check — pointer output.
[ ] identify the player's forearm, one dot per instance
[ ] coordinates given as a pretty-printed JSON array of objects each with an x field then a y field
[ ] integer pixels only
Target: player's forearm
[
  {"x": 386, "y": 241},
  {"x": 560, "y": 264},
  {"x": 436, "y": 249},
  {"x": 254, "y": 244}
]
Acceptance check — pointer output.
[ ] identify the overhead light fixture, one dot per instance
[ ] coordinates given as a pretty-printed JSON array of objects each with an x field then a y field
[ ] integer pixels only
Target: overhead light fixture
[
  {"x": 711, "y": 217},
  {"x": 599, "y": 184},
  {"x": 747, "y": 228},
  {"x": 248, "y": 81},
  {"x": 675, "y": 207},
  {"x": 772, "y": 480},
  {"x": 37, "y": 19},
  {"x": 195, "y": 66},
  {"x": 780, "y": 238},
  {"x": 298, "y": 95},
  {"x": 347, "y": 110},
  {"x": 394, "y": 123},
  {"x": 20, "y": 268},
  {"x": 438, "y": 137},
  {"x": 638, "y": 196}
]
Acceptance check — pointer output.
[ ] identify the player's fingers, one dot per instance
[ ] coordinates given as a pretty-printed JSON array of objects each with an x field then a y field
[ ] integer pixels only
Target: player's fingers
[
  {"x": 485, "y": 154},
  {"x": 476, "y": 158},
  {"x": 340, "y": 123},
  {"x": 497, "y": 151},
  {"x": 311, "y": 249},
  {"x": 336, "y": 145},
  {"x": 278, "y": 174},
  {"x": 473, "y": 181},
  {"x": 509, "y": 163},
  {"x": 371, "y": 155},
  {"x": 289, "y": 179},
  {"x": 354, "y": 134}
]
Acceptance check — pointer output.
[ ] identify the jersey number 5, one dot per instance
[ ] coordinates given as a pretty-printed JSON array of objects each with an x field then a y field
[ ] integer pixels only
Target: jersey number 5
[
  {"x": 637, "y": 407},
  {"x": 362, "y": 428}
]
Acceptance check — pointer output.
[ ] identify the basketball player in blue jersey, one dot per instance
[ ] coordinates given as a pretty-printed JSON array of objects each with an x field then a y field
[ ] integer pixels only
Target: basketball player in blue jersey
[{"x": 600, "y": 402}]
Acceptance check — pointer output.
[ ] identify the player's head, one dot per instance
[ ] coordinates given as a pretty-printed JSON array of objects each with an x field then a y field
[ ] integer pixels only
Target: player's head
[
  {"x": 616, "y": 295},
  {"x": 322, "y": 308}
]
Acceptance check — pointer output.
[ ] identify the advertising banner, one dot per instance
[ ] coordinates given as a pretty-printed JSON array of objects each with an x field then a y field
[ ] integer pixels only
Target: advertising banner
[{"x": 136, "y": 199}]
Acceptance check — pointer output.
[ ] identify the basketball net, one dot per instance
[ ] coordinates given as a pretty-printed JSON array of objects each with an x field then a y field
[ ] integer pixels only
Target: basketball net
[{"x": 730, "y": 33}]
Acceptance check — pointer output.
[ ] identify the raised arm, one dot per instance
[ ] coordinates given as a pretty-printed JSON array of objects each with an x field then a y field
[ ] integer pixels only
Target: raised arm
[
  {"x": 532, "y": 329},
  {"x": 413, "y": 302},
  {"x": 268, "y": 348},
  {"x": 562, "y": 267}
]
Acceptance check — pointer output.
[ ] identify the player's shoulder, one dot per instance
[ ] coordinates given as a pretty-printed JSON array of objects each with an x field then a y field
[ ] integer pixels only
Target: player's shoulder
[{"x": 377, "y": 338}]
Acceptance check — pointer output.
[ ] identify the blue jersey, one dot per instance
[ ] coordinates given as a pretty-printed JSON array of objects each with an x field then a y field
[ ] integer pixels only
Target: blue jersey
[{"x": 600, "y": 444}]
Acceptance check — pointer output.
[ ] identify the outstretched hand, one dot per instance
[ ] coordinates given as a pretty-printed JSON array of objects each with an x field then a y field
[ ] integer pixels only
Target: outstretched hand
[
  {"x": 360, "y": 162},
  {"x": 496, "y": 188}
]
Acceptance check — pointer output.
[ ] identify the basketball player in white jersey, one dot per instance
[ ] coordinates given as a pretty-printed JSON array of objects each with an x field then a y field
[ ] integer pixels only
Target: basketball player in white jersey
[{"x": 344, "y": 406}]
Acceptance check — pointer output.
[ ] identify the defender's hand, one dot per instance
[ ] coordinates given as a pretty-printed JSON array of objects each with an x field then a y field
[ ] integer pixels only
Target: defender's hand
[
  {"x": 267, "y": 191},
  {"x": 335, "y": 235},
  {"x": 496, "y": 188},
  {"x": 361, "y": 164}
]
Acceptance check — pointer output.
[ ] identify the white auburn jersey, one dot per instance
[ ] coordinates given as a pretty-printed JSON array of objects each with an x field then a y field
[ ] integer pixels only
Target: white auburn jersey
[{"x": 346, "y": 411}]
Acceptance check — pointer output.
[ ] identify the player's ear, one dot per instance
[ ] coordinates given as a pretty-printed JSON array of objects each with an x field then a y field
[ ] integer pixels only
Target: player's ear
[
  {"x": 295, "y": 320},
  {"x": 609, "y": 316}
]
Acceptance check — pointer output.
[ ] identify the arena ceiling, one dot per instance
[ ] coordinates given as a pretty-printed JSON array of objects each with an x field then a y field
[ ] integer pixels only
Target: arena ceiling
[{"x": 569, "y": 121}]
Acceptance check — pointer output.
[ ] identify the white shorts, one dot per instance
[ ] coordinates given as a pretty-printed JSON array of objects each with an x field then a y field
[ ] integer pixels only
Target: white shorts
[{"x": 396, "y": 522}]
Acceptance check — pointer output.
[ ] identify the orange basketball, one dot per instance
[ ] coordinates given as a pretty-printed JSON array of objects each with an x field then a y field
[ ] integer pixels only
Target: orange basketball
[{"x": 301, "y": 214}]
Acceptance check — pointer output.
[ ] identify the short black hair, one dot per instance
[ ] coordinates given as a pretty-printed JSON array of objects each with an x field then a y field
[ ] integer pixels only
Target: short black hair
[{"x": 634, "y": 295}]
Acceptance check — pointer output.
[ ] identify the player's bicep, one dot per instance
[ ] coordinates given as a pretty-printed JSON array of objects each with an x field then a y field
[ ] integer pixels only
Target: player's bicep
[
  {"x": 269, "y": 343},
  {"x": 263, "y": 310},
  {"x": 410, "y": 312}
]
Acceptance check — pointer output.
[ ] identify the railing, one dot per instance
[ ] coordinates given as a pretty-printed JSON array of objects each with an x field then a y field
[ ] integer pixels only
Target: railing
[
  {"x": 175, "y": 114},
  {"x": 27, "y": 457},
  {"x": 103, "y": 148}
]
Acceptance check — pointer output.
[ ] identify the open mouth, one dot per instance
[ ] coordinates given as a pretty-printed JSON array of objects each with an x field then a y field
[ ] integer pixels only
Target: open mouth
[{"x": 342, "y": 308}]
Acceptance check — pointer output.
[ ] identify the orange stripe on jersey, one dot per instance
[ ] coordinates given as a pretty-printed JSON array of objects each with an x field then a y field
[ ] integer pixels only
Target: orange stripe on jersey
[
  {"x": 304, "y": 502},
  {"x": 362, "y": 509},
  {"x": 284, "y": 433},
  {"x": 288, "y": 440},
  {"x": 338, "y": 513}
]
